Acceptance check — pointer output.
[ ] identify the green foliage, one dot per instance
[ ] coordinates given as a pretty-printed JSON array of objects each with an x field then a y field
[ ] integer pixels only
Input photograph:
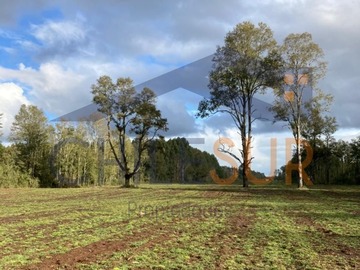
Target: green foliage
[
  {"x": 10, "y": 174},
  {"x": 304, "y": 66},
  {"x": 319, "y": 133},
  {"x": 30, "y": 133},
  {"x": 1, "y": 133},
  {"x": 132, "y": 114},
  {"x": 74, "y": 156},
  {"x": 300, "y": 52},
  {"x": 175, "y": 161},
  {"x": 334, "y": 162},
  {"x": 247, "y": 64}
]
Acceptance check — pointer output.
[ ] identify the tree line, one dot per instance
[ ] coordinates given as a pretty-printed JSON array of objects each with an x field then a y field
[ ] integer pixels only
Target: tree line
[
  {"x": 76, "y": 154},
  {"x": 70, "y": 154}
]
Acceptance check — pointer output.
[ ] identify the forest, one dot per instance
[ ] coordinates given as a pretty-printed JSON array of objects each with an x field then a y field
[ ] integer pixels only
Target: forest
[{"x": 43, "y": 154}]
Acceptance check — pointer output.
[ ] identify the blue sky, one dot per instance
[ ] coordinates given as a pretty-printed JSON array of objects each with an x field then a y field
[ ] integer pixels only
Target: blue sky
[
  {"x": 13, "y": 39},
  {"x": 52, "y": 51}
]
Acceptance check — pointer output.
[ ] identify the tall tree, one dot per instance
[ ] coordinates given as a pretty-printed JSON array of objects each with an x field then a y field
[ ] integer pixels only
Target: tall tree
[
  {"x": 30, "y": 133},
  {"x": 1, "y": 125},
  {"x": 133, "y": 114},
  {"x": 247, "y": 64},
  {"x": 305, "y": 66},
  {"x": 157, "y": 163}
]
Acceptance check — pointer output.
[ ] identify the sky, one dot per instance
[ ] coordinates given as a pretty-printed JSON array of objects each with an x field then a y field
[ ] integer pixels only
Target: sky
[{"x": 51, "y": 52}]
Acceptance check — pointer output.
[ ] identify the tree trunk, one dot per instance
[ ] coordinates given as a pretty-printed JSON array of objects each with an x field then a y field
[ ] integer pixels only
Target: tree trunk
[
  {"x": 298, "y": 149},
  {"x": 246, "y": 164},
  {"x": 127, "y": 180},
  {"x": 245, "y": 179},
  {"x": 327, "y": 174},
  {"x": 327, "y": 164}
]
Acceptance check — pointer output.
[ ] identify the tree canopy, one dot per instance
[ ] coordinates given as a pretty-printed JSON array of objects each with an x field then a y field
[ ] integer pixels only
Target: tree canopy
[
  {"x": 304, "y": 66},
  {"x": 132, "y": 114},
  {"x": 30, "y": 134},
  {"x": 246, "y": 64}
]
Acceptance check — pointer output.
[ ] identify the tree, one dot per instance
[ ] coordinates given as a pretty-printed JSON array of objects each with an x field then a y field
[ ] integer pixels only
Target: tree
[
  {"x": 305, "y": 66},
  {"x": 132, "y": 114},
  {"x": 248, "y": 63},
  {"x": 1, "y": 146},
  {"x": 355, "y": 159},
  {"x": 30, "y": 134},
  {"x": 318, "y": 130},
  {"x": 74, "y": 159},
  {"x": 157, "y": 163},
  {"x": 175, "y": 161},
  {"x": 10, "y": 174},
  {"x": 178, "y": 156},
  {"x": 1, "y": 125}
]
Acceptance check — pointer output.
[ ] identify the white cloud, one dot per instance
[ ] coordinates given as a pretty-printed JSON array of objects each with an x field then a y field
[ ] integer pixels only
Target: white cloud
[
  {"x": 168, "y": 50},
  {"x": 59, "y": 90},
  {"x": 60, "y": 39},
  {"x": 347, "y": 134},
  {"x": 7, "y": 49},
  {"x": 11, "y": 99},
  {"x": 51, "y": 87},
  {"x": 52, "y": 33}
]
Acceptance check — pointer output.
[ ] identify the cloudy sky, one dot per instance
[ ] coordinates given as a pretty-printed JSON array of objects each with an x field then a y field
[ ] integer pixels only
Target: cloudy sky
[{"x": 52, "y": 51}]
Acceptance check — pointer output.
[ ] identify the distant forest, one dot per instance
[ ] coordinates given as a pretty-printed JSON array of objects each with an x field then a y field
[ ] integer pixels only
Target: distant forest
[{"x": 70, "y": 154}]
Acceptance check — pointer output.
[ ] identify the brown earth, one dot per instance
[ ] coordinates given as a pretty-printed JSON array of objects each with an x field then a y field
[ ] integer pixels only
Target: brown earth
[{"x": 334, "y": 246}]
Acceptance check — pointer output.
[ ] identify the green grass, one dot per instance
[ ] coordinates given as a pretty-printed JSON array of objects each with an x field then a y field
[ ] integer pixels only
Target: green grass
[{"x": 180, "y": 227}]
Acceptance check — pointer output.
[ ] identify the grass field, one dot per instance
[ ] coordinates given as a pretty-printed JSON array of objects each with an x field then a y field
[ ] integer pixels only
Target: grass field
[{"x": 180, "y": 227}]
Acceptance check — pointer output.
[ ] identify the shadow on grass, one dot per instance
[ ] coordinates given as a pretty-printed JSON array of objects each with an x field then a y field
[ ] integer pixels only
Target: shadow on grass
[{"x": 288, "y": 192}]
